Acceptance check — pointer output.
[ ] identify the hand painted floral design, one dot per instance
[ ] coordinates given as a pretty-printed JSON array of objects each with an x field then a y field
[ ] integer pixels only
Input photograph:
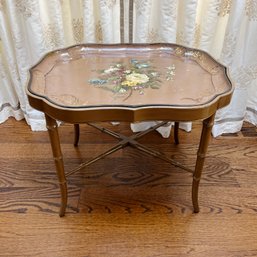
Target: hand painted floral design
[
  {"x": 123, "y": 80},
  {"x": 170, "y": 73},
  {"x": 134, "y": 79}
]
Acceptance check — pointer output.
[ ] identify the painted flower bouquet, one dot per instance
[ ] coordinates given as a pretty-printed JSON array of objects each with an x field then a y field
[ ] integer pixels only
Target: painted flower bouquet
[{"x": 123, "y": 80}]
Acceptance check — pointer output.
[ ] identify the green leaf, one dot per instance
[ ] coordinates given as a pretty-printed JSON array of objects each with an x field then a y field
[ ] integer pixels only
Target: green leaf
[
  {"x": 155, "y": 86},
  {"x": 116, "y": 88},
  {"x": 113, "y": 78}
]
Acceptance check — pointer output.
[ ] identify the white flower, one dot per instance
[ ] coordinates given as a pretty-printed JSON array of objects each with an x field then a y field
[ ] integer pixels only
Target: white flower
[
  {"x": 111, "y": 70},
  {"x": 154, "y": 74}
]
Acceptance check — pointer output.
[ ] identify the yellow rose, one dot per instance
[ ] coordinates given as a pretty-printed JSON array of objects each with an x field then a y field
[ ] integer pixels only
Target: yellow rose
[
  {"x": 128, "y": 83},
  {"x": 137, "y": 78}
]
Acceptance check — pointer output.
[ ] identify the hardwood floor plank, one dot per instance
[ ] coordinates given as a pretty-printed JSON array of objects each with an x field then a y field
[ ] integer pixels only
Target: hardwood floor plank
[
  {"x": 128, "y": 204},
  {"x": 40, "y": 199},
  {"x": 167, "y": 200},
  {"x": 122, "y": 235}
]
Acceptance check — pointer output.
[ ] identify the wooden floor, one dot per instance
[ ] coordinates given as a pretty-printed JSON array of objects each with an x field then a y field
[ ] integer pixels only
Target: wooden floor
[{"x": 128, "y": 204}]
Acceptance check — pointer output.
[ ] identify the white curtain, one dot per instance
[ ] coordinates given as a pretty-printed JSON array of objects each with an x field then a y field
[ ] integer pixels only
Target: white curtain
[
  {"x": 31, "y": 28},
  {"x": 227, "y": 29}
]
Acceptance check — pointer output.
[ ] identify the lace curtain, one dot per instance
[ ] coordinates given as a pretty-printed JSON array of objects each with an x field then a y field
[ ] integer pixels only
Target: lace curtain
[{"x": 227, "y": 29}]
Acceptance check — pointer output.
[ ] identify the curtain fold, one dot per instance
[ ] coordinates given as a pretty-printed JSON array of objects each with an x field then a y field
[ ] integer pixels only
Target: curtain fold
[
  {"x": 31, "y": 28},
  {"x": 239, "y": 54},
  {"x": 227, "y": 29},
  {"x": 10, "y": 105}
]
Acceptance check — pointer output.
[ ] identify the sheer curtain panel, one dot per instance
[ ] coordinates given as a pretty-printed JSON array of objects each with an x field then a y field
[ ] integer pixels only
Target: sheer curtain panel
[
  {"x": 31, "y": 28},
  {"x": 227, "y": 29}
]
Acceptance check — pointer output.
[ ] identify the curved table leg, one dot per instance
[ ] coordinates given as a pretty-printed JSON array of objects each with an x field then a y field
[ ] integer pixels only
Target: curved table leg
[
  {"x": 205, "y": 137},
  {"x": 76, "y": 136},
  {"x": 176, "y": 139},
  {"x": 57, "y": 155}
]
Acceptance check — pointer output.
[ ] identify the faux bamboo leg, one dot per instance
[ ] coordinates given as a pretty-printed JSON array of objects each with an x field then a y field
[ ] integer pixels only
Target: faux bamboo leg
[
  {"x": 176, "y": 126},
  {"x": 57, "y": 155},
  {"x": 205, "y": 137},
  {"x": 76, "y": 134}
]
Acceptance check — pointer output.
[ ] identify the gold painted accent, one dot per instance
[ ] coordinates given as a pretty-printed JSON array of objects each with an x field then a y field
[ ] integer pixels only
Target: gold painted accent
[
  {"x": 60, "y": 158},
  {"x": 52, "y": 127},
  {"x": 199, "y": 57},
  {"x": 78, "y": 29},
  {"x": 251, "y": 9},
  {"x": 51, "y": 36},
  {"x": 180, "y": 51},
  {"x": 99, "y": 32},
  {"x": 201, "y": 155},
  {"x": 62, "y": 183},
  {"x": 196, "y": 179},
  {"x": 66, "y": 99},
  {"x": 224, "y": 7},
  {"x": 208, "y": 124}
]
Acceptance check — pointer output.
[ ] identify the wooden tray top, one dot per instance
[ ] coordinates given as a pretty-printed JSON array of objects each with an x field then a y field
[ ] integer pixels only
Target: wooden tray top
[{"x": 128, "y": 76}]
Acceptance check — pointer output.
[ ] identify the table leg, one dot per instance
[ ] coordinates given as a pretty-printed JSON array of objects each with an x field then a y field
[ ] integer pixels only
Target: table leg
[
  {"x": 76, "y": 136},
  {"x": 204, "y": 141},
  {"x": 57, "y": 155},
  {"x": 176, "y": 127}
]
